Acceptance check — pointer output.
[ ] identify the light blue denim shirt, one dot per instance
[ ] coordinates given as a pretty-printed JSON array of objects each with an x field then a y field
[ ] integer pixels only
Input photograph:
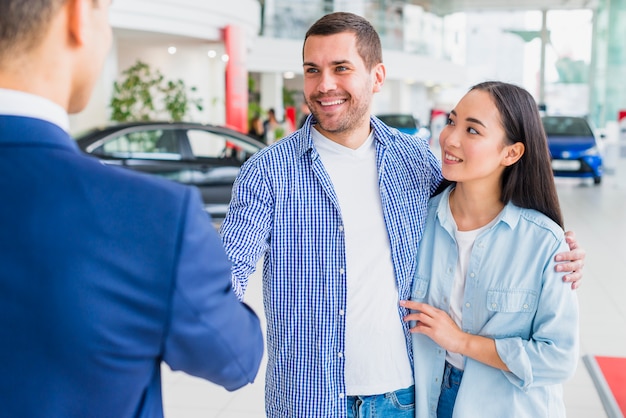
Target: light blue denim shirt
[{"x": 513, "y": 295}]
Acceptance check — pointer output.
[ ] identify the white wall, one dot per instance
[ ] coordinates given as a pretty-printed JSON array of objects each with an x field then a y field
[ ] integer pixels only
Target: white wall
[
  {"x": 191, "y": 18},
  {"x": 190, "y": 63},
  {"x": 144, "y": 29}
]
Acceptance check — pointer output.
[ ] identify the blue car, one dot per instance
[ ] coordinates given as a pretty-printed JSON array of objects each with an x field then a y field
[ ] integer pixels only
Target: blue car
[
  {"x": 406, "y": 123},
  {"x": 573, "y": 147}
]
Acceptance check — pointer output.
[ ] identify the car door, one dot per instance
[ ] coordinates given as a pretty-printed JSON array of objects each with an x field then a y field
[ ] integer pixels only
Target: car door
[{"x": 216, "y": 158}]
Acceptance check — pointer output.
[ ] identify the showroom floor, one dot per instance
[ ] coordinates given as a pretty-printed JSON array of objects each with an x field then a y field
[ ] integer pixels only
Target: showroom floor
[{"x": 596, "y": 214}]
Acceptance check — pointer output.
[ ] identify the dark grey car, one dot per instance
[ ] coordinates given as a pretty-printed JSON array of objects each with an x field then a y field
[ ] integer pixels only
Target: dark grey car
[{"x": 206, "y": 156}]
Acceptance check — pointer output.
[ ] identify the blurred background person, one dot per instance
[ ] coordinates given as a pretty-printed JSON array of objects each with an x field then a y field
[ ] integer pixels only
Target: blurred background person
[
  {"x": 270, "y": 126},
  {"x": 256, "y": 128},
  {"x": 304, "y": 113}
]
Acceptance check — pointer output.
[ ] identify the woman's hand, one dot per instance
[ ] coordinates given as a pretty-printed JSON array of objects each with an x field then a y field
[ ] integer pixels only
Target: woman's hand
[{"x": 435, "y": 324}]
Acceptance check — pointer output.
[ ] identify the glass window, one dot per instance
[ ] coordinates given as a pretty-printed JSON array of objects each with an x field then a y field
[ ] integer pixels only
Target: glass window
[
  {"x": 399, "y": 121},
  {"x": 159, "y": 144},
  {"x": 207, "y": 144},
  {"x": 566, "y": 126}
]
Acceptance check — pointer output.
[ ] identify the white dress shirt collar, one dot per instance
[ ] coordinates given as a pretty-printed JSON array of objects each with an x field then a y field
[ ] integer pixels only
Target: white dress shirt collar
[{"x": 19, "y": 103}]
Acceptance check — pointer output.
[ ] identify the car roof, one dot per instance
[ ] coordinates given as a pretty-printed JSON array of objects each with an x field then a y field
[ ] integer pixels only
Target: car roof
[{"x": 101, "y": 131}]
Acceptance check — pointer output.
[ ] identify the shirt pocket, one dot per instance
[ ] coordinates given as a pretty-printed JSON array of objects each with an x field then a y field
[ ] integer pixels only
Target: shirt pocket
[
  {"x": 420, "y": 288},
  {"x": 512, "y": 300}
]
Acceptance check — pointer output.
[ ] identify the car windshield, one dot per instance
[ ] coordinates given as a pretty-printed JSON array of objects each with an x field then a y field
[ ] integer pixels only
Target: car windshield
[
  {"x": 398, "y": 121},
  {"x": 566, "y": 126}
]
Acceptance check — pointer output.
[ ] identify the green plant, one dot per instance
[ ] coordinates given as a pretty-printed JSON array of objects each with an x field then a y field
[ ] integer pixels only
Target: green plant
[
  {"x": 279, "y": 132},
  {"x": 289, "y": 97},
  {"x": 254, "y": 109},
  {"x": 145, "y": 94},
  {"x": 177, "y": 100}
]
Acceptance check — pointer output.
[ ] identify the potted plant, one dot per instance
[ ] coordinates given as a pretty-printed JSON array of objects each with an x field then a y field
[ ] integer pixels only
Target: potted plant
[{"x": 143, "y": 94}]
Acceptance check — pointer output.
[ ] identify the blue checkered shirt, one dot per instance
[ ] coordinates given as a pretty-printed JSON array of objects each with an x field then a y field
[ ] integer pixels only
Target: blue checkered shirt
[{"x": 284, "y": 207}]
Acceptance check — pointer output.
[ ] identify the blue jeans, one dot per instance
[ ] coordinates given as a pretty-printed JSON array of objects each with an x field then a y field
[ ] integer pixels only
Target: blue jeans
[
  {"x": 400, "y": 403},
  {"x": 449, "y": 389}
]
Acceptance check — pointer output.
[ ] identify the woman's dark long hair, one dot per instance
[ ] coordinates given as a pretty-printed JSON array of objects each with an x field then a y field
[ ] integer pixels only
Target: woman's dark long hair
[{"x": 529, "y": 183}]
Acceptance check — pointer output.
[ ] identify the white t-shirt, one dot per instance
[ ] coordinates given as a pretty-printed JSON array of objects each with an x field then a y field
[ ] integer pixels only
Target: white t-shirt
[
  {"x": 465, "y": 242},
  {"x": 376, "y": 354}
]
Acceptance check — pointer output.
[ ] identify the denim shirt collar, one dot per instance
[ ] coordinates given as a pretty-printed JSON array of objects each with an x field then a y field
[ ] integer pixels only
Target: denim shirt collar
[{"x": 509, "y": 215}]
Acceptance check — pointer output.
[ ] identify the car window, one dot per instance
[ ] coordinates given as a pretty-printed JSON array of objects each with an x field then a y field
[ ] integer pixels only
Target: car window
[
  {"x": 160, "y": 144},
  {"x": 566, "y": 126},
  {"x": 205, "y": 144},
  {"x": 399, "y": 121}
]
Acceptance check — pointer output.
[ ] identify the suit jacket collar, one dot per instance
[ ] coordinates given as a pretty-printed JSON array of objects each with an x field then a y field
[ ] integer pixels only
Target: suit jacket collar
[{"x": 21, "y": 130}]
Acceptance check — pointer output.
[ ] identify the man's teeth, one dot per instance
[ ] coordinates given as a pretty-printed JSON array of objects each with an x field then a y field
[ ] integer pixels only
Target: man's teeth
[{"x": 334, "y": 102}]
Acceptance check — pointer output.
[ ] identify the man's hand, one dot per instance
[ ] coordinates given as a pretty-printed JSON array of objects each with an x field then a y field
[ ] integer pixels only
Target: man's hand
[{"x": 572, "y": 261}]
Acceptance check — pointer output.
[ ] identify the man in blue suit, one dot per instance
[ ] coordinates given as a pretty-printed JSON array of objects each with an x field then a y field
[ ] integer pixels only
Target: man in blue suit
[{"x": 104, "y": 273}]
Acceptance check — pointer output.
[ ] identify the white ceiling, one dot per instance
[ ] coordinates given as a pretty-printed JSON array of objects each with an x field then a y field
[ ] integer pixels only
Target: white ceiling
[{"x": 443, "y": 7}]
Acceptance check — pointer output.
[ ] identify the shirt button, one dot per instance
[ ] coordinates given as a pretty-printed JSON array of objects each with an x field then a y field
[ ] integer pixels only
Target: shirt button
[
  {"x": 342, "y": 271},
  {"x": 472, "y": 275},
  {"x": 340, "y": 354},
  {"x": 341, "y": 228},
  {"x": 341, "y": 396},
  {"x": 525, "y": 306},
  {"x": 494, "y": 306},
  {"x": 341, "y": 312},
  {"x": 467, "y": 305}
]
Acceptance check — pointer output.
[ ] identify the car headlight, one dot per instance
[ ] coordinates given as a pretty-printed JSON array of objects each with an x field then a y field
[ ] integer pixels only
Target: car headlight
[{"x": 591, "y": 152}]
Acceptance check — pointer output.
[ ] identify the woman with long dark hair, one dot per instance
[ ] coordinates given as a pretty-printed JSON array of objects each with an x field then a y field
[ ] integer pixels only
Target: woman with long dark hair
[{"x": 495, "y": 332}]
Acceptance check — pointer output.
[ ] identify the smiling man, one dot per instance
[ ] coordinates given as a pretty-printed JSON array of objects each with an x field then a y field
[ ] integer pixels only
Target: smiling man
[{"x": 337, "y": 210}]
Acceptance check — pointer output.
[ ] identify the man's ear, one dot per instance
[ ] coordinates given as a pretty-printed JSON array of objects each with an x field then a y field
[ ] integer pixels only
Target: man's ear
[
  {"x": 514, "y": 153},
  {"x": 76, "y": 19},
  {"x": 380, "y": 72}
]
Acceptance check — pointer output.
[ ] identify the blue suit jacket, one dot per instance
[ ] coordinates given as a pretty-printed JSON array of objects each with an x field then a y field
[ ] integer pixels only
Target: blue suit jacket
[{"x": 104, "y": 274}]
